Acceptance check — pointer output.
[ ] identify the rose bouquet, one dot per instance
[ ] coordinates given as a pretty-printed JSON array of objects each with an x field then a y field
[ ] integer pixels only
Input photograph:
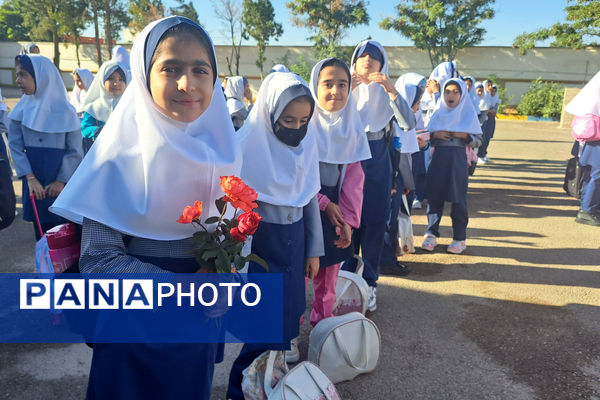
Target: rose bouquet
[{"x": 220, "y": 250}]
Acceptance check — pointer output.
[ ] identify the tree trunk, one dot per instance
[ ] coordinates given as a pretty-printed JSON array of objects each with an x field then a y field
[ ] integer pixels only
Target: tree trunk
[
  {"x": 76, "y": 37},
  {"x": 56, "y": 49},
  {"x": 97, "y": 32},
  {"x": 108, "y": 28}
]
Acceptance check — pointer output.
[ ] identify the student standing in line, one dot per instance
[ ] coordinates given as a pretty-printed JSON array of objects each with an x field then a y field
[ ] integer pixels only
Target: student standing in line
[
  {"x": 453, "y": 126},
  {"x": 83, "y": 79},
  {"x": 44, "y": 135},
  {"x": 587, "y": 104},
  {"x": 486, "y": 107},
  {"x": 377, "y": 103},
  {"x": 235, "y": 91},
  {"x": 281, "y": 162},
  {"x": 164, "y": 147},
  {"x": 101, "y": 99},
  {"x": 342, "y": 144}
]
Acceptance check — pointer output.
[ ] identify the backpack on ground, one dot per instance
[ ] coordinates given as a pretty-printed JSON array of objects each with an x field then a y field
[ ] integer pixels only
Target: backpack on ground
[{"x": 351, "y": 291}]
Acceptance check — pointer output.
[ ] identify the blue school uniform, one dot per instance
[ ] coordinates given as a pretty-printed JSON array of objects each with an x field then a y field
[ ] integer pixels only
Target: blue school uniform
[{"x": 590, "y": 197}]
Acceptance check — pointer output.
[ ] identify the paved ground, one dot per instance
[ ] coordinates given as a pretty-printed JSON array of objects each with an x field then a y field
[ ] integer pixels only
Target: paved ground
[{"x": 516, "y": 317}]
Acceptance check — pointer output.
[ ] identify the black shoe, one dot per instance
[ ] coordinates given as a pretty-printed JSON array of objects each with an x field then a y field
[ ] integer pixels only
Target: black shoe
[
  {"x": 401, "y": 269},
  {"x": 584, "y": 217}
]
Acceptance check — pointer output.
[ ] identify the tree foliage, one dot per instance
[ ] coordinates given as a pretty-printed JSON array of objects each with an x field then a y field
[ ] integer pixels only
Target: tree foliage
[
  {"x": 442, "y": 27},
  {"x": 11, "y": 21},
  {"x": 542, "y": 99},
  {"x": 301, "y": 68},
  {"x": 583, "y": 25},
  {"x": 76, "y": 19},
  {"x": 259, "y": 23},
  {"x": 230, "y": 14},
  {"x": 329, "y": 19},
  {"x": 185, "y": 10},
  {"x": 142, "y": 12},
  {"x": 115, "y": 18}
]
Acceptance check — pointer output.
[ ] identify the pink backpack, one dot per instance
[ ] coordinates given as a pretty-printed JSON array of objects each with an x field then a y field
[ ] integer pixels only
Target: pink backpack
[{"x": 586, "y": 128}]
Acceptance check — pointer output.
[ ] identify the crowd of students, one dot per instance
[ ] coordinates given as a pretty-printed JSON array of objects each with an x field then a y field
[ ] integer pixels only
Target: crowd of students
[{"x": 330, "y": 160}]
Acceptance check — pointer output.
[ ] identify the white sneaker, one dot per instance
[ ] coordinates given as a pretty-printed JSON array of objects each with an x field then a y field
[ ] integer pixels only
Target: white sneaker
[
  {"x": 372, "y": 298},
  {"x": 293, "y": 355},
  {"x": 417, "y": 204},
  {"x": 481, "y": 161},
  {"x": 486, "y": 159},
  {"x": 429, "y": 243},
  {"x": 457, "y": 246}
]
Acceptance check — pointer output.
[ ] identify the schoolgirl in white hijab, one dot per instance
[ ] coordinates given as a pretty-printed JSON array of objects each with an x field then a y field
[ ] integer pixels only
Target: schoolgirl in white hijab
[
  {"x": 78, "y": 94},
  {"x": 144, "y": 168},
  {"x": 234, "y": 93},
  {"x": 44, "y": 136},
  {"x": 120, "y": 54},
  {"x": 412, "y": 93},
  {"x": 453, "y": 126},
  {"x": 377, "y": 102},
  {"x": 99, "y": 103},
  {"x": 281, "y": 162},
  {"x": 443, "y": 72}
]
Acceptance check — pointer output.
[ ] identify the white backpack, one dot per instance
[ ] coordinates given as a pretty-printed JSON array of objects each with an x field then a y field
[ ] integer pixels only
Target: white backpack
[
  {"x": 351, "y": 291},
  {"x": 305, "y": 381},
  {"x": 345, "y": 346}
]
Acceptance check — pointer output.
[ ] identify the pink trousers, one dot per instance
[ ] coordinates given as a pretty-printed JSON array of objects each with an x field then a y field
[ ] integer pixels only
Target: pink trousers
[{"x": 324, "y": 298}]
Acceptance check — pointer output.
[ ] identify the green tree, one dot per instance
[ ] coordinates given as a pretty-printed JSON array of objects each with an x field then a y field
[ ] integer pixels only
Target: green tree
[
  {"x": 114, "y": 18},
  {"x": 259, "y": 22},
  {"x": 329, "y": 19},
  {"x": 11, "y": 21},
  {"x": 142, "y": 12},
  {"x": 185, "y": 10},
  {"x": 301, "y": 68},
  {"x": 95, "y": 13},
  {"x": 542, "y": 99},
  {"x": 583, "y": 24},
  {"x": 442, "y": 27},
  {"x": 75, "y": 22}
]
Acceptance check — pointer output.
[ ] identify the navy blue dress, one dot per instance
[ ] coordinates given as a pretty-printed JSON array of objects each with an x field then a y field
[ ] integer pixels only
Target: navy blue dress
[
  {"x": 448, "y": 175},
  {"x": 154, "y": 370},
  {"x": 333, "y": 255}
]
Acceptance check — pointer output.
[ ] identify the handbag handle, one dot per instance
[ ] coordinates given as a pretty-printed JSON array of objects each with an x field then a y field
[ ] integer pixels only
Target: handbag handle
[
  {"x": 316, "y": 381},
  {"x": 269, "y": 371},
  {"x": 360, "y": 264},
  {"x": 405, "y": 202},
  {"x": 35, "y": 211},
  {"x": 339, "y": 298},
  {"x": 342, "y": 348}
]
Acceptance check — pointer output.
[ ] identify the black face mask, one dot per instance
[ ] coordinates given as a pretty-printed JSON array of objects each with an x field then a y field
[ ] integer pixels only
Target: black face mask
[{"x": 289, "y": 136}]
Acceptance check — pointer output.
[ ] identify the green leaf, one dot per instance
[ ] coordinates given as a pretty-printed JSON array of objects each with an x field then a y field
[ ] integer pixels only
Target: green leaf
[
  {"x": 221, "y": 205},
  {"x": 211, "y": 220},
  {"x": 222, "y": 262},
  {"x": 239, "y": 262},
  {"x": 201, "y": 236},
  {"x": 258, "y": 260},
  {"x": 210, "y": 254}
]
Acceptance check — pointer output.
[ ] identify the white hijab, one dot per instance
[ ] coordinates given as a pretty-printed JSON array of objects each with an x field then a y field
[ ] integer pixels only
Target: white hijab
[
  {"x": 282, "y": 175},
  {"x": 443, "y": 72},
  {"x": 234, "y": 92},
  {"x": 78, "y": 95},
  {"x": 145, "y": 167},
  {"x": 587, "y": 100},
  {"x": 120, "y": 54},
  {"x": 482, "y": 102},
  {"x": 408, "y": 91},
  {"x": 48, "y": 109},
  {"x": 280, "y": 68},
  {"x": 340, "y": 135},
  {"x": 462, "y": 118},
  {"x": 472, "y": 92},
  {"x": 372, "y": 101},
  {"x": 99, "y": 103}
]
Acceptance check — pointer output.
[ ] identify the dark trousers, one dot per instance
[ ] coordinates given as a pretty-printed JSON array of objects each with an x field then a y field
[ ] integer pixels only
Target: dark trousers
[
  {"x": 459, "y": 215},
  {"x": 590, "y": 198},
  {"x": 370, "y": 239},
  {"x": 485, "y": 128}
]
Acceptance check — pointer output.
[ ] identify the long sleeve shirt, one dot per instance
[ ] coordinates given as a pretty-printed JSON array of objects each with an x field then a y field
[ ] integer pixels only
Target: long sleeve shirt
[
  {"x": 89, "y": 126},
  {"x": 351, "y": 195}
]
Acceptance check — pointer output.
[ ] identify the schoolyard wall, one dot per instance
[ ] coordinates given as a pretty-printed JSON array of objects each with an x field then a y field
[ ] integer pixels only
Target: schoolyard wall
[{"x": 571, "y": 68}]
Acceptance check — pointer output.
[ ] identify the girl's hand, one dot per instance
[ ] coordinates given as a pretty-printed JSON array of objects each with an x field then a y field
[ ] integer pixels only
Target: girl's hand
[
  {"x": 35, "y": 187},
  {"x": 54, "y": 189},
  {"x": 384, "y": 80},
  {"x": 441, "y": 135},
  {"x": 433, "y": 86},
  {"x": 334, "y": 213},
  {"x": 355, "y": 80},
  {"x": 422, "y": 142},
  {"x": 311, "y": 268},
  {"x": 345, "y": 237},
  {"x": 460, "y": 135}
]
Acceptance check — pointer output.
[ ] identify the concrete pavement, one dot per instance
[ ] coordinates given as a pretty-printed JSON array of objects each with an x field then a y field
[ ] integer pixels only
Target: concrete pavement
[{"x": 517, "y": 316}]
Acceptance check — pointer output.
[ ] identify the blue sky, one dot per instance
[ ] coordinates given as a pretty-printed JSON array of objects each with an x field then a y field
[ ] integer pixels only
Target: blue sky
[{"x": 512, "y": 18}]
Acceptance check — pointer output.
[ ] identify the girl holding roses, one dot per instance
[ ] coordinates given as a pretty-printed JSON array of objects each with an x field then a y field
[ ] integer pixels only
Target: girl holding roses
[
  {"x": 165, "y": 145},
  {"x": 280, "y": 161}
]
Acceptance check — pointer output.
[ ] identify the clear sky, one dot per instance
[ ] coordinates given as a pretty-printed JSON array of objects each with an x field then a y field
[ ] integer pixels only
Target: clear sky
[{"x": 512, "y": 18}]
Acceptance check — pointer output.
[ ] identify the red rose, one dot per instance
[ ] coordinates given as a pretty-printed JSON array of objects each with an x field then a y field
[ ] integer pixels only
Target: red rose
[
  {"x": 238, "y": 193},
  {"x": 248, "y": 222},
  {"x": 237, "y": 235},
  {"x": 190, "y": 213}
]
